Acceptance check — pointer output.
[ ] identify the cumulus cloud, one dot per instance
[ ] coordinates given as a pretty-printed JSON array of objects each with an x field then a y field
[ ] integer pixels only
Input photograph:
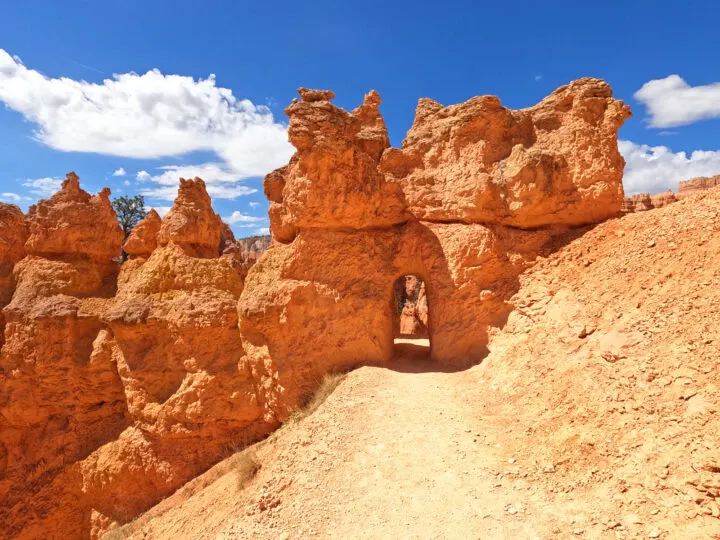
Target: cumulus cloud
[
  {"x": 119, "y": 172},
  {"x": 654, "y": 169},
  {"x": 145, "y": 116},
  {"x": 243, "y": 220},
  {"x": 152, "y": 115},
  {"x": 14, "y": 197},
  {"x": 672, "y": 102},
  {"x": 254, "y": 204},
  {"x": 262, "y": 230},
  {"x": 222, "y": 183},
  {"x": 161, "y": 210},
  {"x": 43, "y": 187}
]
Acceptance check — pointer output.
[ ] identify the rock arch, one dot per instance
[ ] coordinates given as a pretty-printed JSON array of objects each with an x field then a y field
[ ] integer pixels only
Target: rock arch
[{"x": 474, "y": 195}]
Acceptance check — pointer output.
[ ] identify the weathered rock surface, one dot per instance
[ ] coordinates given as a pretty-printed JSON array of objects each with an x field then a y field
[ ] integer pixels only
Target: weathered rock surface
[
  {"x": 59, "y": 402},
  {"x": 479, "y": 162},
  {"x": 119, "y": 387},
  {"x": 689, "y": 187},
  {"x": 333, "y": 180},
  {"x": 449, "y": 207},
  {"x": 642, "y": 202},
  {"x": 120, "y": 384},
  {"x": 191, "y": 222},
  {"x": 595, "y": 415},
  {"x": 143, "y": 238},
  {"x": 13, "y": 235}
]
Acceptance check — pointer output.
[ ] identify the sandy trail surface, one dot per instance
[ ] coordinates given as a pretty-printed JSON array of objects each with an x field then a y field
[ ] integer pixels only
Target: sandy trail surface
[{"x": 394, "y": 452}]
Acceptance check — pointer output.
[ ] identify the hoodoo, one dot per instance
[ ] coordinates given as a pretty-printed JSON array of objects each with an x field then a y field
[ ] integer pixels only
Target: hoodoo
[{"x": 123, "y": 381}]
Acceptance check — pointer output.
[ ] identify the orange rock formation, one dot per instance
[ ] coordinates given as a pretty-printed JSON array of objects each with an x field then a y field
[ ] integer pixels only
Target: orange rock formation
[
  {"x": 13, "y": 234},
  {"x": 119, "y": 384},
  {"x": 689, "y": 187},
  {"x": 460, "y": 205},
  {"x": 122, "y": 383},
  {"x": 641, "y": 202}
]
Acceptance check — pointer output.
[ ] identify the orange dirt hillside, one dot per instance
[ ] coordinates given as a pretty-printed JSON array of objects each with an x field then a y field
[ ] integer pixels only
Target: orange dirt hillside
[{"x": 595, "y": 415}]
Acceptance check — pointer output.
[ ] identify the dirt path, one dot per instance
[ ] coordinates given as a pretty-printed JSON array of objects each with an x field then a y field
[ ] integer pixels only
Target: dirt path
[
  {"x": 393, "y": 453},
  {"x": 406, "y": 463}
]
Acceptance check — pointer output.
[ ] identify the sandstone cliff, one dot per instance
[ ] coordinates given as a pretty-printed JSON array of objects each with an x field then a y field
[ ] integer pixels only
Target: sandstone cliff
[
  {"x": 594, "y": 416},
  {"x": 59, "y": 400},
  {"x": 13, "y": 234},
  {"x": 689, "y": 187}
]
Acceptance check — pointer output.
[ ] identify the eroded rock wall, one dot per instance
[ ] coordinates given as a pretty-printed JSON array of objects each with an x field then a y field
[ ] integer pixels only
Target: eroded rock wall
[
  {"x": 476, "y": 193},
  {"x": 556, "y": 163},
  {"x": 119, "y": 384},
  {"x": 59, "y": 401},
  {"x": 122, "y": 383},
  {"x": 13, "y": 235},
  {"x": 695, "y": 185}
]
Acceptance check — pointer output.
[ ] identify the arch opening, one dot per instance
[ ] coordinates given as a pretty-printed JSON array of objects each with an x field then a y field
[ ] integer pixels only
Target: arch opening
[{"x": 411, "y": 315}]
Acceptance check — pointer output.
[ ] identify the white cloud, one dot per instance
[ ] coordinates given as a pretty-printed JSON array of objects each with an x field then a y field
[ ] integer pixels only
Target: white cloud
[
  {"x": 151, "y": 116},
  {"x": 654, "y": 169},
  {"x": 126, "y": 182},
  {"x": 43, "y": 187},
  {"x": 254, "y": 204},
  {"x": 7, "y": 196},
  {"x": 161, "y": 210},
  {"x": 222, "y": 183},
  {"x": 538, "y": 77},
  {"x": 145, "y": 116},
  {"x": 119, "y": 172},
  {"x": 263, "y": 230},
  {"x": 243, "y": 220},
  {"x": 672, "y": 102}
]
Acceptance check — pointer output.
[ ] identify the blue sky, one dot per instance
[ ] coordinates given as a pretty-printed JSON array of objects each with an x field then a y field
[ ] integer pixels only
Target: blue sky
[{"x": 74, "y": 81}]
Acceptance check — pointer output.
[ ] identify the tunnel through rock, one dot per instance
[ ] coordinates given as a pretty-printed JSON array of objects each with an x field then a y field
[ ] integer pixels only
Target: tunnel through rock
[{"x": 410, "y": 312}]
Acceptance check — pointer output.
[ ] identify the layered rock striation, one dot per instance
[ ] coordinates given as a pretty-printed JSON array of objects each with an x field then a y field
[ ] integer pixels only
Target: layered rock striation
[{"x": 695, "y": 185}]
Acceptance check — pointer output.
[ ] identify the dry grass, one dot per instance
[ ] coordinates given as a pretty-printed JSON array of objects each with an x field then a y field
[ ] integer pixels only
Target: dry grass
[
  {"x": 242, "y": 458},
  {"x": 323, "y": 388},
  {"x": 121, "y": 533},
  {"x": 245, "y": 465}
]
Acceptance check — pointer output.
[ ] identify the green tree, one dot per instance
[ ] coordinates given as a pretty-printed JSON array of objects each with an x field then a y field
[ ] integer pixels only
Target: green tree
[{"x": 130, "y": 211}]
